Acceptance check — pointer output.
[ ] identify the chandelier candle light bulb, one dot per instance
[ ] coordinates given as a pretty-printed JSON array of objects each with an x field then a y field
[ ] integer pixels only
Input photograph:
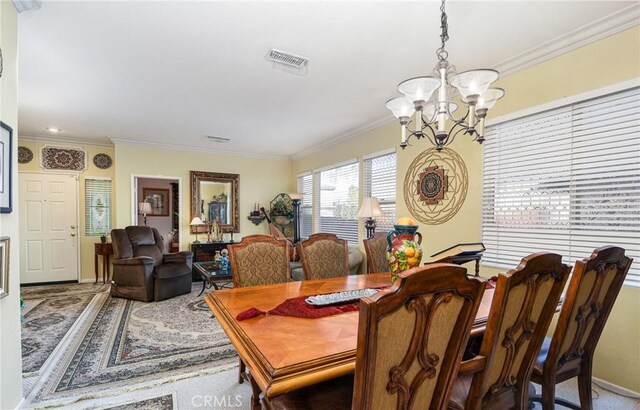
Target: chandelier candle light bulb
[{"x": 432, "y": 114}]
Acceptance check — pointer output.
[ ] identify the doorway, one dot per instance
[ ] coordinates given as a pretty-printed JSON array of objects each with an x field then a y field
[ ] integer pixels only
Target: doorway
[
  {"x": 156, "y": 203},
  {"x": 49, "y": 232}
]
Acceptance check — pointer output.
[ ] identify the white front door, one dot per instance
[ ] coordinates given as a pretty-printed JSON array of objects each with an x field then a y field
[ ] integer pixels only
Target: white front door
[{"x": 48, "y": 227}]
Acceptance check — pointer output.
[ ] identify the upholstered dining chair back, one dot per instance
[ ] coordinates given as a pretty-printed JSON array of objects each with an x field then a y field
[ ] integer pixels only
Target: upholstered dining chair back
[
  {"x": 411, "y": 338},
  {"x": 592, "y": 291},
  {"x": 523, "y": 304},
  {"x": 259, "y": 260},
  {"x": 323, "y": 256},
  {"x": 376, "y": 250}
]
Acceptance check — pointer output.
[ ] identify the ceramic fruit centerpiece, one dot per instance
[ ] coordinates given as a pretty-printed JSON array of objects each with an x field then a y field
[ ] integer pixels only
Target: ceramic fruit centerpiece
[{"x": 403, "y": 251}]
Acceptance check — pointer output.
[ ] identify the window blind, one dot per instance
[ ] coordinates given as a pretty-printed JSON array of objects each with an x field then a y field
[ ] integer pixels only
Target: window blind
[
  {"x": 380, "y": 181},
  {"x": 336, "y": 199},
  {"x": 305, "y": 187},
  {"x": 97, "y": 210},
  {"x": 566, "y": 181}
]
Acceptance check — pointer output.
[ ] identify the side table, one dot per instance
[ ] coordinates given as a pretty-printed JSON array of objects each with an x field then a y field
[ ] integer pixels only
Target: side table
[{"x": 104, "y": 250}]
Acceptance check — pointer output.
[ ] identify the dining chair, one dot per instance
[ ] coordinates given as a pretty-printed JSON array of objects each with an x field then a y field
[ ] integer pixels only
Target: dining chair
[
  {"x": 376, "y": 250},
  {"x": 411, "y": 337},
  {"x": 523, "y": 304},
  {"x": 324, "y": 256},
  {"x": 258, "y": 260},
  {"x": 592, "y": 291}
]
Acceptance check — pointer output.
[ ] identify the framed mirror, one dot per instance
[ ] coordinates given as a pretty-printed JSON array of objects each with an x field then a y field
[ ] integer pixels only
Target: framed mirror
[{"x": 214, "y": 195}]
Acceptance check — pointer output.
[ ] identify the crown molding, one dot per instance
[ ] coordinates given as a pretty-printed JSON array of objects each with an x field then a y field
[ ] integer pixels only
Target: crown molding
[
  {"x": 63, "y": 140},
  {"x": 187, "y": 148},
  {"x": 589, "y": 33},
  {"x": 342, "y": 137}
]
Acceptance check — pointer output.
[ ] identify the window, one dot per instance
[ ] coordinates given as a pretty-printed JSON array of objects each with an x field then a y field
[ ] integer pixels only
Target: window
[
  {"x": 305, "y": 187},
  {"x": 97, "y": 210},
  {"x": 380, "y": 182},
  {"x": 336, "y": 198},
  {"x": 565, "y": 180}
]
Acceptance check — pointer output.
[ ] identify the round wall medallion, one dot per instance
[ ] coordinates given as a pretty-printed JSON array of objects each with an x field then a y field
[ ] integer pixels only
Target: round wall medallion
[
  {"x": 435, "y": 185},
  {"x": 102, "y": 161},
  {"x": 25, "y": 155}
]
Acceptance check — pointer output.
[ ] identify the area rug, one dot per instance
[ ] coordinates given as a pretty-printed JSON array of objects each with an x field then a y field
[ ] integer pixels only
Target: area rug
[
  {"x": 164, "y": 402},
  {"x": 119, "y": 345}
]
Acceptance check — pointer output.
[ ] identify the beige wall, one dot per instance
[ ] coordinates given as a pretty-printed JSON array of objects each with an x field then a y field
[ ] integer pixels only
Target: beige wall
[
  {"x": 87, "y": 268},
  {"x": 609, "y": 61},
  {"x": 260, "y": 181},
  {"x": 10, "y": 353}
]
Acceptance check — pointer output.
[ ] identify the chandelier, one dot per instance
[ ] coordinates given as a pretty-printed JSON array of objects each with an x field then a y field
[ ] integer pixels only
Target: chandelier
[{"x": 428, "y": 100}]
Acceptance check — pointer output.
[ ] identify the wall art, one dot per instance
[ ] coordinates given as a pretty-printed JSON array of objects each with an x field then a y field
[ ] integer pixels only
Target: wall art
[
  {"x": 25, "y": 155},
  {"x": 436, "y": 185},
  {"x": 102, "y": 161},
  {"x": 64, "y": 158},
  {"x": 6, "y": 137},
  {"x": 4, "y": 266}
]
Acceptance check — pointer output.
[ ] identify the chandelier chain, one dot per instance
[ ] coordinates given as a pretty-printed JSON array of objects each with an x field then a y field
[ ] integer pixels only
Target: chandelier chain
[{"x": 441, "y": 52}]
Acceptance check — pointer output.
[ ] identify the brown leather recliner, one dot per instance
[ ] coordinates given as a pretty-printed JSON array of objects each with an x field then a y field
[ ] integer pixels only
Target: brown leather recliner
[{"x": 142, "y": 272}]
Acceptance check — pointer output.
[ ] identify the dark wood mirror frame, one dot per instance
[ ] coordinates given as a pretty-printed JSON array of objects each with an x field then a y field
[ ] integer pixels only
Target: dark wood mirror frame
[{"x": 197, "y": 177}]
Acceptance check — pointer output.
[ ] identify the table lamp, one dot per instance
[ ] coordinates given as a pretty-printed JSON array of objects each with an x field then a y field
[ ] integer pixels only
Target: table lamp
[
  {"x": 196, "y": 222},
  {"x": 370, "y": 208},
  {"x": 145, "y": 208}
]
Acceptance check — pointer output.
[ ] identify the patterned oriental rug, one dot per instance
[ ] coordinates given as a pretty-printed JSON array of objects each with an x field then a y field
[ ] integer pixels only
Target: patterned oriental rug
[{"x": 80, "y": 344}]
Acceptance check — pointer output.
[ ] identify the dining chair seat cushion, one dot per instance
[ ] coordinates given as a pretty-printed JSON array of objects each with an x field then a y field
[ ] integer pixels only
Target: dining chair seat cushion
[
  {"x": 542, "y": 356},
  {"x": 460, "y": 391},
  {"x": 334, "y": 394}
]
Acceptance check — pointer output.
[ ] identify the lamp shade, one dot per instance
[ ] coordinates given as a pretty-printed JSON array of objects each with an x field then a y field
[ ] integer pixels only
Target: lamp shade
[
  {"x": 401, "y": 107},
  {"x": 370, "y": 208},
  {"x": 145, "y": 208},
  {"x": 196, "y": 221},
  {"x": 474, "y": 82},
  {"x": 296, "y": 196},
  {"x": 419, "y": 88}
]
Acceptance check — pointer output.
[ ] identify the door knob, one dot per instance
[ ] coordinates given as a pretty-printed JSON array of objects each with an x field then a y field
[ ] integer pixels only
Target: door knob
[
  {"x": 73, "y": 227},
  {"x": 73, "y": 234}
]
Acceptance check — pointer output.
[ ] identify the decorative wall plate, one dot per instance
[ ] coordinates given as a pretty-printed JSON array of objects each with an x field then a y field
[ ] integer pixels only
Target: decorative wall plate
[
  {"x": 25, "y": 155},
  {"x": 436, "y": 185},
  {"x": 63, "y": 158},
  {"x": 102, "y": 161}
]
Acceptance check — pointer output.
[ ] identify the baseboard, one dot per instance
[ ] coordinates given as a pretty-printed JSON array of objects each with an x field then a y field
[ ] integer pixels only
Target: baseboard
[
  {"x": 616, "y": 389},
  {"x": 20, "y": 404},
  {"x": 90, "y": 280}
]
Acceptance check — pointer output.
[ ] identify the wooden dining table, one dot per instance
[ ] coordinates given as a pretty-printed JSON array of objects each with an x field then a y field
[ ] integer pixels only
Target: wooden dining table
[{"x": 286, "y": 353}]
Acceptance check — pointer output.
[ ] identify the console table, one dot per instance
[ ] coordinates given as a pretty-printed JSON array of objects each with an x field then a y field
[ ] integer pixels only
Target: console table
[
  {"x": 205, "y": 252},
  {"x": 104, "y": 250}
]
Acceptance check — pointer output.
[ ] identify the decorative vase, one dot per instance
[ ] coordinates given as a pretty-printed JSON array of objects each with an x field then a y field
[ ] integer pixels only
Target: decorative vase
[
  {"x": 281, "y": 220},
  {"x": 404, "y": 250}
]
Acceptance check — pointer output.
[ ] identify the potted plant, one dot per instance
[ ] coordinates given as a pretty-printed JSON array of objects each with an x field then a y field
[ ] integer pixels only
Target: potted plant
[{"x": 281, "y": 212}]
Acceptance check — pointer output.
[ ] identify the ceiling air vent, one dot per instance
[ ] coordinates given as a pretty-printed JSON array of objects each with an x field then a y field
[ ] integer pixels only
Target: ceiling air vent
[
  {"x": 287, "y": 62},
  {"x": 217, "y": 139}
]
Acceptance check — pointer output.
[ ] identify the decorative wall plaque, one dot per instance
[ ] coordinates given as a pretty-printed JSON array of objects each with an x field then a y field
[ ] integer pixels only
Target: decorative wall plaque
[
  {"x": 435, "y": 185},
  {"x": 25, "y": 155},
  {"x": 102, "y": 161},
  {"x": 63, "y": 158}
]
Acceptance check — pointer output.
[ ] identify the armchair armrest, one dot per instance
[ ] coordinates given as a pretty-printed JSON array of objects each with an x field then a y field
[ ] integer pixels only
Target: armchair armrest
[
  {"x": 139, "y": 260},
  {"x": 473, "y": 365},
  {"x": 178, "y": 257}
]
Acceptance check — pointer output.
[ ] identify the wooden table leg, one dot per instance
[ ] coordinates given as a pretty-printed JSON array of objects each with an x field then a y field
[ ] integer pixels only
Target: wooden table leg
[
  {"x": 255, "y": 396},
  {"x": 105, "y": 268},
  {"x": 477, "y": 267},
  {"x": 95, "y": 260}
]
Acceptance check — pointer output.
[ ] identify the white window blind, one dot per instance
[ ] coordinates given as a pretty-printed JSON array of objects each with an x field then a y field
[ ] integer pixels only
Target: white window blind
[
  {"x": 566, "y": 181},
  {"x": 305, "y": 187},
  {"x": 380, "y": 182},
  {"x": 97, "y": 210},
  {"x": 336, "y": 199}
]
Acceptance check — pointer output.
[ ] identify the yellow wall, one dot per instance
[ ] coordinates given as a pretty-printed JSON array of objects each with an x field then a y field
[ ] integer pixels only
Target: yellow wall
[
  {"x": 10, "y": 351},
  {"x": 260, "y": 181},
  {"x": 608, "y": 61},
  {"x": 87, "y": 268}
]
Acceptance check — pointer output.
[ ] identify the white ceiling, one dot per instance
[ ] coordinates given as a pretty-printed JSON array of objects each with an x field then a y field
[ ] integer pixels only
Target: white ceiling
[{"x": 172, "y": 72}]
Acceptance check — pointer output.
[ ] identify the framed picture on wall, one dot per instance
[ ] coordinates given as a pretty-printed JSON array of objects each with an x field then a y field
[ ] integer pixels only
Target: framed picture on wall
[
  {"x": 4, "y": 266},
  {"x": 6, "y": 134},
  {"x": 159, "y": 200}
]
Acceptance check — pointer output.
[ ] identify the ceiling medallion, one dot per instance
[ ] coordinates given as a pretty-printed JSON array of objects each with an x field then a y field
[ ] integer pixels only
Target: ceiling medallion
[
  {"x": 102, "y": 161},
  {"x": 430, "y": 98},
  {"x": 435, "y": 186},
  {"x": 25, "y": 155}
]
